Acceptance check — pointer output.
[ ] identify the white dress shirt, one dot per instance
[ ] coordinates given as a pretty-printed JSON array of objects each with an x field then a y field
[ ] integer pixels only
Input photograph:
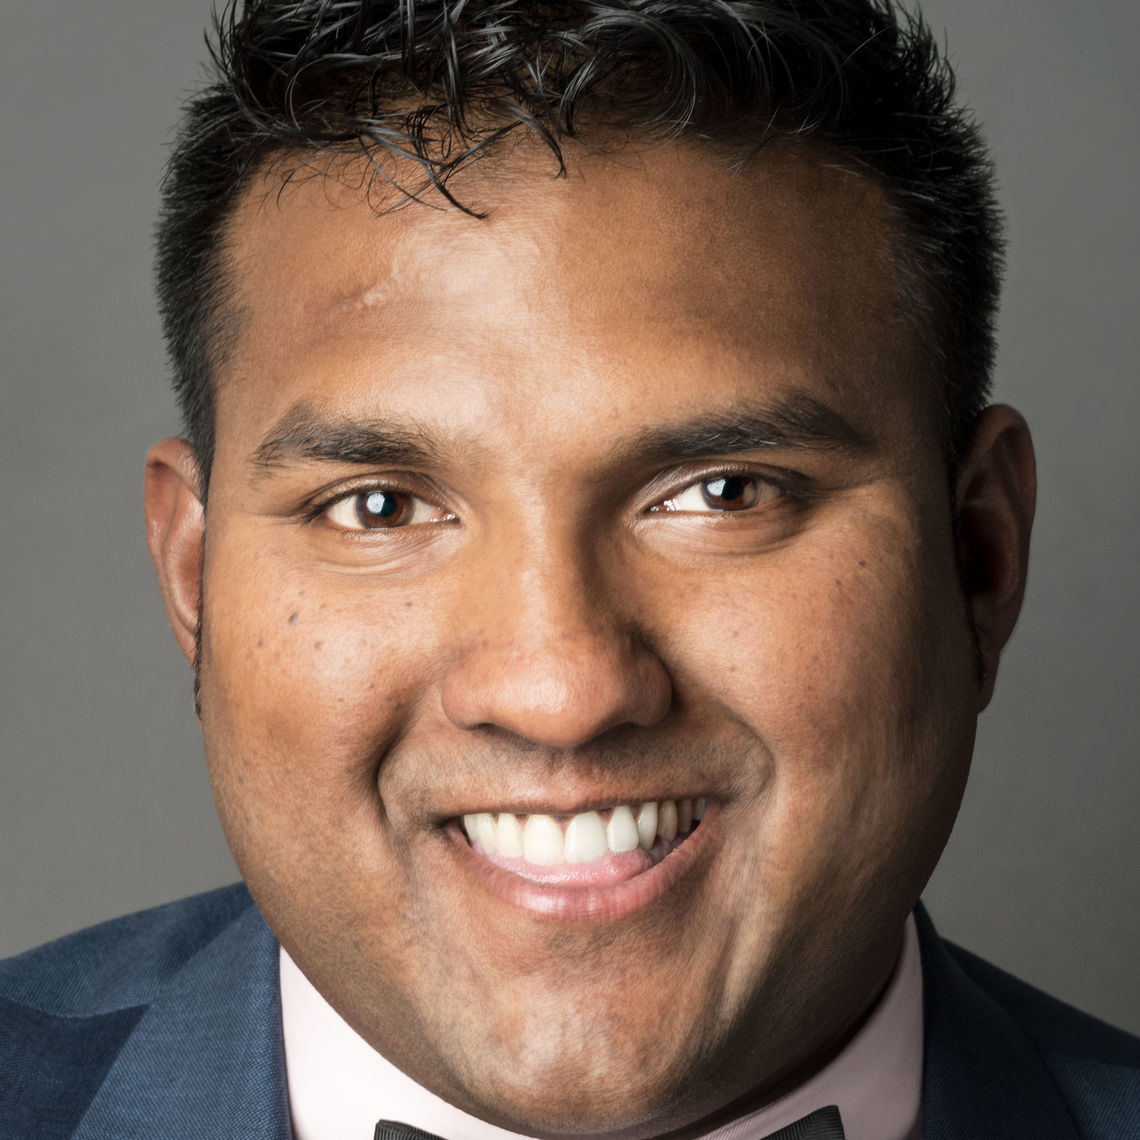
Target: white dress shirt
[{"x": 339, "y": 1086}]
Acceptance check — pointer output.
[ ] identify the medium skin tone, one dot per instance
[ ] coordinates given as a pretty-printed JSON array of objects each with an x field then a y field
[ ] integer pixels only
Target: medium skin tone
[{"x": 563, "y": 617}]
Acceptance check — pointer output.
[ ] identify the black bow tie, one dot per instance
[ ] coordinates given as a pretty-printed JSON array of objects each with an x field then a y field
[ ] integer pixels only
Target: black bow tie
[{"x": 825, "y": 1124}]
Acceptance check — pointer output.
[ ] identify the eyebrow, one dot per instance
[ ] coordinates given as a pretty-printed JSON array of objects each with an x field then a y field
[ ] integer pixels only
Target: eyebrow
[
  {"x": 798, "y": 421},
  {"x": 305, "y": 434}
]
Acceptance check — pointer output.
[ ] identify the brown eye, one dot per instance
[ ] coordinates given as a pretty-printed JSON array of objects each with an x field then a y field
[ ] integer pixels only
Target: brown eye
[
  {"x": 722, "y": 494},
  {"x": 730, "y": 492},
  {"x": 374, "y": 509},
  {"x": 381, "y": 508}
]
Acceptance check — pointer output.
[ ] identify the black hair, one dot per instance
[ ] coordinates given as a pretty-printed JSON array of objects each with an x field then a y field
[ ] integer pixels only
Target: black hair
[{"x": 444, "y": 82}]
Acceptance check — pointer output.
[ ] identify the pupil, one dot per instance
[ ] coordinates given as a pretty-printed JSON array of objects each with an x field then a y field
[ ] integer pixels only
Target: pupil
[
  {"x": 376, "y": 505},
  {"x": 725, "y": 489}
]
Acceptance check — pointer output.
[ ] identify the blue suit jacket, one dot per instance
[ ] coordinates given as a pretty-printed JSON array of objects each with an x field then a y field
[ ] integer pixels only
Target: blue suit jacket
[{"x": 167, "y": 1024}]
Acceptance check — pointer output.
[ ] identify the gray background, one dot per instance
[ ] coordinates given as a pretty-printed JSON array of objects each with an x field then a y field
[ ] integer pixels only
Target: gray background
[{"x": 104, "y": 803}]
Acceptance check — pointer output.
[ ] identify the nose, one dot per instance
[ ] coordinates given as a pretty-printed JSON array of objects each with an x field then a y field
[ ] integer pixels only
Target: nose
[{"x": 545, "y": 654}]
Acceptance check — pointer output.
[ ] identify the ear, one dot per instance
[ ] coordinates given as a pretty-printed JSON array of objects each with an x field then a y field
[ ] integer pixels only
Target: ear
[
  {"x": 175, "y": 534},
  {"x": 995, "y": 498}
]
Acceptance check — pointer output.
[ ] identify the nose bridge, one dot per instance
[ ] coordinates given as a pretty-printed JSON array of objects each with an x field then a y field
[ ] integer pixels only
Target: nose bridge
[{"x": 545, "y": 649}]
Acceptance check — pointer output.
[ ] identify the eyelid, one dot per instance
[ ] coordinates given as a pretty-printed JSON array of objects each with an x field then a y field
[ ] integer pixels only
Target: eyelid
[
  {"x": 320, "y": 503},
  {"x": 788, "y": 483}
]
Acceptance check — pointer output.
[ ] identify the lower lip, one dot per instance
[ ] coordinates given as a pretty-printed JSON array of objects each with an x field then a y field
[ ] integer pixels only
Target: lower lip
[{"x": 598, "y": 902}]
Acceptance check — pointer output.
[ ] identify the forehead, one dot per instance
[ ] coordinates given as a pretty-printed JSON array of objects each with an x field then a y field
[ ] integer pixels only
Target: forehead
[{"x": 660, "y": 266}]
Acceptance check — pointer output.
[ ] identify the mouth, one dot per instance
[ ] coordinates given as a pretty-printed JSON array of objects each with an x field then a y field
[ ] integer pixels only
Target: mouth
[{"x": 602, "y": 863}]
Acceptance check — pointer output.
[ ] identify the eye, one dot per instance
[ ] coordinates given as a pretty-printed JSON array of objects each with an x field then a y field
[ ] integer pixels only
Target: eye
[
  {"x": 723, "y": 493},
  {"x": 382, "y": 509}
]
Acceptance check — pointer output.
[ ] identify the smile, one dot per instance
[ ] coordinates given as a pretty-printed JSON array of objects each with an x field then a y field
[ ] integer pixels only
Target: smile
[
  {"x": 599, "y": 863},
  {"x": 550, "y": 841}
]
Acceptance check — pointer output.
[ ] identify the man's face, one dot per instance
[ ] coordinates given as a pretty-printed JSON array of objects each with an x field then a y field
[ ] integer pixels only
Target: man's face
[{"x": 629, "y": 492}]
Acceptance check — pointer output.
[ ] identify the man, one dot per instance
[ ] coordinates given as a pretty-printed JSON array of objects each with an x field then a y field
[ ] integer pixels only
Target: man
[{"x": 595, "y": 551}]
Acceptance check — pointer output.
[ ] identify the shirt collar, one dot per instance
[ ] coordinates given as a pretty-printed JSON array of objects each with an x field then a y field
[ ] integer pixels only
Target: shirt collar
[{"x": 339, "y": 1086}]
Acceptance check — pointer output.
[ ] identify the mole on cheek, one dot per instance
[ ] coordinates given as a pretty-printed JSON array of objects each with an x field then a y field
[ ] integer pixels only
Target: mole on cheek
[{"x": 293, "y": 617}]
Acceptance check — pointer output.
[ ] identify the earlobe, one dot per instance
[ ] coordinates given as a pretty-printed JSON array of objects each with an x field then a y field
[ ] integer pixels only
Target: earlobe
[
  {"x": 995, "y": 499},
  {"x": 175, "y": 533}
]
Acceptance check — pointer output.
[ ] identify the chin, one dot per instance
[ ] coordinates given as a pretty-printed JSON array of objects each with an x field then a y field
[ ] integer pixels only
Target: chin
[
  {"x": 574, "y": 1103},
  {"x": 575, "y": 1075}
]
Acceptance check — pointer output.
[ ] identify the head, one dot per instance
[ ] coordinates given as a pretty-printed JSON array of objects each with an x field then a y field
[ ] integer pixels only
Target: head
[
  {"x": 590, "y": 406},
  {"x": 443, "y": 86}
]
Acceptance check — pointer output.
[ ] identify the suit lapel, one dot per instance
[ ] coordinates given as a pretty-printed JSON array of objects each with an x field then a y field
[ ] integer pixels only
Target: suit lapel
[
  {"x": 206, "y": 1058},
  {"x": 982, "y": 1077}
]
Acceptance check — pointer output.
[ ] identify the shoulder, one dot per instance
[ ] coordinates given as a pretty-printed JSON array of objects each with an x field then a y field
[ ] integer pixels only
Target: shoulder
[
  {"x": 1096, "y": 1066},
  {"x": 69, "y": 1008},
  {"x": 1058, "y": 1030},
  {"x": 119, "y": 964}
]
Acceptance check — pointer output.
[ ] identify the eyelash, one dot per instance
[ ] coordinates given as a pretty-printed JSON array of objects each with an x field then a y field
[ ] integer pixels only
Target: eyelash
[
  {"x": 789, "y": 487},
  {"x": 319, "y": 506}
]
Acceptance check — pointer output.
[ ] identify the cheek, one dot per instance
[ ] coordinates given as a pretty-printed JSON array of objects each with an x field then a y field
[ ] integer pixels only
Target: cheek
[
  {"x": 305, "y": 684},
  {"x": 842, "y": 644},
  {"x": 848, "y": 661}
]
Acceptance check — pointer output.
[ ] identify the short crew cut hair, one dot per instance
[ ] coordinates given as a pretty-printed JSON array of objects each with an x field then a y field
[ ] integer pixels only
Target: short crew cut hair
[{"x": 443, "y": 82}]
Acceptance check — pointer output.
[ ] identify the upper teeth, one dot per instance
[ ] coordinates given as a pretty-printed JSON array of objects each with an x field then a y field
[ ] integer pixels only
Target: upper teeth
[{"x": 542, "y": 840}]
